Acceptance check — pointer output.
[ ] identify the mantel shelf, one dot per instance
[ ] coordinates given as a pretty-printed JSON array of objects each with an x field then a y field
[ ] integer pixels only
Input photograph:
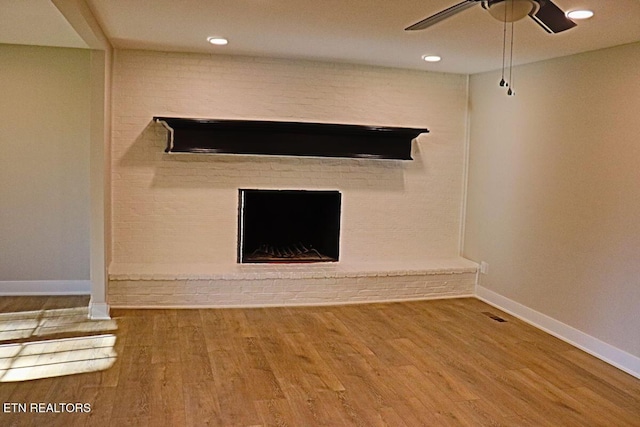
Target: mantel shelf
[{"x": 213, "y": 136}]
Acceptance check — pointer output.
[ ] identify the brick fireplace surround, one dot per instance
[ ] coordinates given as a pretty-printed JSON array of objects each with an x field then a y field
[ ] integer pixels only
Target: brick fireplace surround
[{"x": 174, "y": 223}]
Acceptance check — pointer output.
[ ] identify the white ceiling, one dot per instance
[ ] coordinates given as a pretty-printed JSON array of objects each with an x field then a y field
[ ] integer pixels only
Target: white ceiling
[
  {"x": 36, "y": 22},
  {"x": 355, "y": 31}
]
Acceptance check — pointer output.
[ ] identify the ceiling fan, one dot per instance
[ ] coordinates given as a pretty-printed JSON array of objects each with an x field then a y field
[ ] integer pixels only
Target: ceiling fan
[{"x": 549, "y": 16}]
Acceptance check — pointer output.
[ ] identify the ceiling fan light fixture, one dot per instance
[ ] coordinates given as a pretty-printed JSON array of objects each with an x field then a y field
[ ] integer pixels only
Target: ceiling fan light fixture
[
  {"x": 511, "y": 10},
  {"x": 580, "y": 14},
  {"x": 431, "y": 58}
]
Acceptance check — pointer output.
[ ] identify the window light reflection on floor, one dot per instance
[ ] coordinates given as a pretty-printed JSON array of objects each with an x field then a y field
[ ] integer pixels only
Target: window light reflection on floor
[{"x": 32, "y": 359}]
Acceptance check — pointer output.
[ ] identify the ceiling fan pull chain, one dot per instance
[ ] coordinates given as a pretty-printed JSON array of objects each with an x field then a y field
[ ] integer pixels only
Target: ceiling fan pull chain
[
  {"x": 511, "y": 92},
  {"x": 503, "y": 83}
]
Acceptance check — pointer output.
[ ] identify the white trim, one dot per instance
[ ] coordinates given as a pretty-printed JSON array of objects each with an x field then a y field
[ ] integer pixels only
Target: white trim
[
  {"x": 99, "y": 311},
  {"x": 465, "y": 173},
  {"x": 614, "y": 356},
  {"x": 45, "y": 287}
]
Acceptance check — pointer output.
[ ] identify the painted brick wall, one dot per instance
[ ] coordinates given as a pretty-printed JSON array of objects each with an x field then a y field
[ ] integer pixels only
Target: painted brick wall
[{"x": 182, "y": 209}]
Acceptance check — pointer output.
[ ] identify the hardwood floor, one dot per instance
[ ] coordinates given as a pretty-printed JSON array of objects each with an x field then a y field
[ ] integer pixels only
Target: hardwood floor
[{"x": 429, "y": 363}]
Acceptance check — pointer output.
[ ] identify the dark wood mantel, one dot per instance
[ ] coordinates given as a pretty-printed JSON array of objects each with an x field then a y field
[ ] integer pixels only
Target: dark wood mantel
[{"x": 252, "y": 137}]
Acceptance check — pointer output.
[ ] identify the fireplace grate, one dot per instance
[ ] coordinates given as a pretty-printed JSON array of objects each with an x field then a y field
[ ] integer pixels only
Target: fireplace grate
[{"x": 297, "y": 252}]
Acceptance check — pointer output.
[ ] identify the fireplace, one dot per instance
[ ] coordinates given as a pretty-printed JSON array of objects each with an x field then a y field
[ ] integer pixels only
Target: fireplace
[{"x": 288, "y": 226}]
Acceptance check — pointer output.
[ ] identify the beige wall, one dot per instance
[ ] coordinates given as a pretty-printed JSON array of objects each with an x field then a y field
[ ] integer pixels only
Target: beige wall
[
  {"x": 554, "y": 190},
  {"x": 173, "y": 209},
  {"x": 44, "y": 164}
]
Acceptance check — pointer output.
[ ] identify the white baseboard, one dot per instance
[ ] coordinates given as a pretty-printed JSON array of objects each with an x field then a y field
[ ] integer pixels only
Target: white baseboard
[
  {"x": 45, "y": 287},
  {"x": 606, "y": 352},
  {"x": 99, "y": 311}
]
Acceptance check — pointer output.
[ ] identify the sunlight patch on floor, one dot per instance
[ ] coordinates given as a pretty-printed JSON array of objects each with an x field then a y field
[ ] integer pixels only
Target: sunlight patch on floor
[
  {"x": 45, "y": 358},
  {"x": 54, "y": 358}
]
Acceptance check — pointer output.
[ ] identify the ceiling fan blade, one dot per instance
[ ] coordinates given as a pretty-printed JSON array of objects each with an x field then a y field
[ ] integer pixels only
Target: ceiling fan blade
[
  {"x": 434, "y": 19},
  {"x": 551, "y": 17}
]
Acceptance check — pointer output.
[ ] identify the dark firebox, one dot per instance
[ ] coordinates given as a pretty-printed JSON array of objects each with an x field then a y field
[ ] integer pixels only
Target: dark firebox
[{"x": 288, "y": 226}]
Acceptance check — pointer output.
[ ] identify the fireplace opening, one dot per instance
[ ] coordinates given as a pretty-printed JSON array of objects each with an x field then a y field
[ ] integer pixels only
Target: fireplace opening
[{"x": 288, "y": 226}]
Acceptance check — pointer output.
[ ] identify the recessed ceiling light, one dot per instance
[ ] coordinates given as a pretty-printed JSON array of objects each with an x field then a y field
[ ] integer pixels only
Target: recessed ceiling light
[
  {"x": 218, "y": 41},
  {"x": 580, "y": 14},
  {"x": 431, "y": 58}
]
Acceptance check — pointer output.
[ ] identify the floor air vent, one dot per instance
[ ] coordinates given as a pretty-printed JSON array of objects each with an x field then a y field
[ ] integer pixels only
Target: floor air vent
[{"x": 494, "y": 317}]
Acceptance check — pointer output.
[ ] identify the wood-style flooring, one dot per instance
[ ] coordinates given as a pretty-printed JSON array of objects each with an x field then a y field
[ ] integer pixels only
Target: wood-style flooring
[{"x": 428, "y": 363}]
